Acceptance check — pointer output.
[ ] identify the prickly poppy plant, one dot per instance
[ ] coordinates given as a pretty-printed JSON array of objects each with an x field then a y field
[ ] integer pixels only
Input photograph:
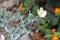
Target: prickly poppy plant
[{"x": 25, "y": 19}]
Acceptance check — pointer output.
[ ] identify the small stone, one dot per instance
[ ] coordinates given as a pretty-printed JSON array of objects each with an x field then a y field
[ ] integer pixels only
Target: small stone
[{"x": 25, "y": 37}]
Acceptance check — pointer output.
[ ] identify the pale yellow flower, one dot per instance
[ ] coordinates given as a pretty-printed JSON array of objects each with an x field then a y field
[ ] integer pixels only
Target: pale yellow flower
[{"x": 41, "y": 12}]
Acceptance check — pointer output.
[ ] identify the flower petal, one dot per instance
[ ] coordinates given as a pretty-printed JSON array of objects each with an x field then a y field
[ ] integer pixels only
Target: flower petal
[
  {"x": 41, "y": 12},
  {"x": 45, "y": 12},
  {"x": 41, "y": 9}
]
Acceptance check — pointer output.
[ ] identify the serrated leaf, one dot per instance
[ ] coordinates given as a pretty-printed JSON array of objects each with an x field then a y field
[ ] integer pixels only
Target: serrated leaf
[
  {"x": 58, "y": 29},
  {"x": 55, "y": 21},
  {"x": 34, "y": 10},
  {"x": 27, "y": 3},
  {"x": 40, "y": 27},
  {"x": 22, "y": 12},
  {"x": 48, "y": 35},
  {"x": 47, "y": 31},
  {"x": 57, "y": 33}
]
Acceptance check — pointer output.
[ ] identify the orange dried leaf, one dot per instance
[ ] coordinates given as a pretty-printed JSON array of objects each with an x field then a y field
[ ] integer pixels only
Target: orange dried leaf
[
  {"x": 21, "y": 8},
  {"x": 57, "y": 10},
  {"x": 36, "y": 36},
  {"x": 55, "y": 38},
  {"x": 53, "y": 30}
]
